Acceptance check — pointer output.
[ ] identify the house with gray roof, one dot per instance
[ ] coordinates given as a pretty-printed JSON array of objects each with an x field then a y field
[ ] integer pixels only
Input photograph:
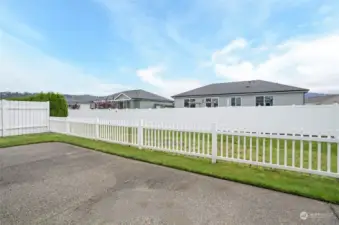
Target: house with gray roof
[
  {"x": 243, "y": 93},
  {"x": 323, "y": 100},
  {"x": 139, "y": 99}
]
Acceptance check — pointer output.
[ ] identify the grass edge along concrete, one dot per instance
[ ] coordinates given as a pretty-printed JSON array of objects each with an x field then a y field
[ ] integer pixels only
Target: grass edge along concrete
[
  {"x": 311, "y": 186},
  {"x": 317, "y": 157}
]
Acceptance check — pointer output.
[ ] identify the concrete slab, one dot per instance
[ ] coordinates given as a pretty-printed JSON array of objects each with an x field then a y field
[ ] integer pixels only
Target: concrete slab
[{"x": 56, "y": 183}]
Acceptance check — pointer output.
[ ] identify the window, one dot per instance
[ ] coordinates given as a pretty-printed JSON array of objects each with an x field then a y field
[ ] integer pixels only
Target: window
[
  {"x": 259, "y": 101},
  {"x": 212, "y": 102},
  {"x": 186, "y": 103},
  {"x": 264, "y": 101},
  {"x": 235, "y": 101},
  {"x": 268, "y": 100},
  {"x": 192, "y": 103},
  {"x": 208, "y": 102},
  {"x": 189, "y": 103},
  {"x": 215, "y": 102}
]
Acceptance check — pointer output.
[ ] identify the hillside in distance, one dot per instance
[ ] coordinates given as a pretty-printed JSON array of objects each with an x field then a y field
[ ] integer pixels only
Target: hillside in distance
[
  {"x": 82, "y": 99},
  {"x": 313, "y": 94},
  {"x": 69, "y": 98},
  {"x": 6, "y": 94}
]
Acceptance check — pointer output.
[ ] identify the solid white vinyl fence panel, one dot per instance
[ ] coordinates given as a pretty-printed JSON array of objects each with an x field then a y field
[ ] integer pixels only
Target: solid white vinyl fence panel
[
  {"x": 296, "y": 152},
  {"x": 311, "y": 119},
  {"x": 1, "y": 118},
  {"x": 22, "y": 117}
]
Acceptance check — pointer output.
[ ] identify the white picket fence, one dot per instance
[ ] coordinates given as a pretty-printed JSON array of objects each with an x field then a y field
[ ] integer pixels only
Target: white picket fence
[
  {"x": 21, "y": 117},
  {"x": 314, "y": 154},
  {"x": 312, "y": 119},
  {"x": 310, "y": 149}
]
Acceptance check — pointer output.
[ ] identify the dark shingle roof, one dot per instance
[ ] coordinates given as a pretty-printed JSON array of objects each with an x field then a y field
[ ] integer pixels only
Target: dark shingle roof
[
  {"x": 242, "y": 87},
  {"x": 81, "y": 99},
  {"x": 323, "y": 100},
  {"x": 141, "y": 94}
]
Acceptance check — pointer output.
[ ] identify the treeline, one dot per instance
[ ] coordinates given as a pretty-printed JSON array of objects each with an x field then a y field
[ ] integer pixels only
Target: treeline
[
  {"x": 7, "y": 94},
  {"x": 57, "y": 102}
]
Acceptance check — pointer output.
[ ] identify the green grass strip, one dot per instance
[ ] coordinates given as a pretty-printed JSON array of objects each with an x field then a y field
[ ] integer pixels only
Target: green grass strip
[{"x": 311, "y": 186}]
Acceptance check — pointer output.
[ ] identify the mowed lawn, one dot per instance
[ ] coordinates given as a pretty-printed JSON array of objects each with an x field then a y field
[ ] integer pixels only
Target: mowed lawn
[
  {"x": 312, "y": 186},
  {"x": 267, "y": 150}
]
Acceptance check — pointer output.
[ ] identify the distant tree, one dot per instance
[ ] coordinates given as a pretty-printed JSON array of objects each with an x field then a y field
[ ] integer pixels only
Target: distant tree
[{"x": 57, "y": 102}]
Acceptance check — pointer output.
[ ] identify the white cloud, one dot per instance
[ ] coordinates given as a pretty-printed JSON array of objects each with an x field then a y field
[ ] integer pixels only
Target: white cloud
[
  {"x": 309, "y": 63},
  {"x": 236, "y": 44},
  {"x": 25, "y": 68},
  {"x": 166, "y": 87}
]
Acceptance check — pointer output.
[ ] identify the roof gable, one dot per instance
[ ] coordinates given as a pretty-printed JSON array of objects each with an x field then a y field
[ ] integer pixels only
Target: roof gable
[
  {"x": 121, "y": 97},
  {"x": 242, "y": 87},
  {"x": 140, "y": 94}
]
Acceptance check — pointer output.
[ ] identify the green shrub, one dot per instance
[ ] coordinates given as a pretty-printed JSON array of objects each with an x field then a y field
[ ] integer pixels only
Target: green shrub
[{"x": 57, "y": 102}]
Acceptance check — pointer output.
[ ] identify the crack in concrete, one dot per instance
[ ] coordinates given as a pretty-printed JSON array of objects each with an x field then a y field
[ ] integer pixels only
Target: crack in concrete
[{"x": 334, "y": 212}]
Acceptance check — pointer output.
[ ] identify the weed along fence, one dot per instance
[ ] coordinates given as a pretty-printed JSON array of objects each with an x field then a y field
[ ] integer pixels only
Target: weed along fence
[
  {"x": 21, "y": 117},
  {"x": 299, "y": 151}
]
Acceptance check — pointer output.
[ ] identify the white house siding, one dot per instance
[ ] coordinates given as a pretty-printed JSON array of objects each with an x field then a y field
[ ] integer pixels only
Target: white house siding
[
  {"x": 135, "y": 104},
  {"x": 289, "y": 98},
  {"x": 85, "y": 106},
  {"x": 144, "y": 104}
]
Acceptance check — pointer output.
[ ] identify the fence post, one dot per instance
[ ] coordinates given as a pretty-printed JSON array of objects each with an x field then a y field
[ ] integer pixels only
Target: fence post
[
  {"x": 97, "y": 128},
  {"x": 68, "y": 126},
  {"x": 337, "y": 136},
  {"x": 214, "y": 142},
  {"x": 140, "y": 134},
  {"x": 2, "y": 118},
  {"x": 336, "y": 122},
  {"x": 335, "y": 116},
  {"x": 48, "y": 118}
]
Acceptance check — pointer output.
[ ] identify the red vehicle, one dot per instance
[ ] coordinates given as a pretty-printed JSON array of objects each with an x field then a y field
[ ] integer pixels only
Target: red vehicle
[{"x": 102, "y": 105}]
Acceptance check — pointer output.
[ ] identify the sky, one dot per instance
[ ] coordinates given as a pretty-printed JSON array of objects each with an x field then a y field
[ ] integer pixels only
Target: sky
[{"x": 101, "y": 47}]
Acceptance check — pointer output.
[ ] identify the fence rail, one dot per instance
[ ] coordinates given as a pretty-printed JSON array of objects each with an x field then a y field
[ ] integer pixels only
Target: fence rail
[{"x": 296, "y": 152}]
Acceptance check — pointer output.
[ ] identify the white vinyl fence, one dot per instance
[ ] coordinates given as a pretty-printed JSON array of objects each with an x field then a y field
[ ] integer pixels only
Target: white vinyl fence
[
  {"x": 301, "y": 152},
  {"x": 312, "y": 119},
  {"x": 21, "y": 117},
  {"x": 299, "y": 138}
]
